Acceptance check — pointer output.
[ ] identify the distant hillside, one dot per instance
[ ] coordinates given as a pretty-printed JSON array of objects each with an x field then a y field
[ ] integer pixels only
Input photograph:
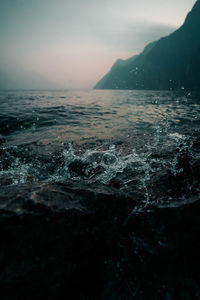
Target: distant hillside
[
  {"x": 172, "y": 62},
  {"x": 15, "y": 77}
]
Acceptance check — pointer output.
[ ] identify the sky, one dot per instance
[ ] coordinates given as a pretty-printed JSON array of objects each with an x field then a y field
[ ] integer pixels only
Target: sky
[{"x": 73, "y": 43}]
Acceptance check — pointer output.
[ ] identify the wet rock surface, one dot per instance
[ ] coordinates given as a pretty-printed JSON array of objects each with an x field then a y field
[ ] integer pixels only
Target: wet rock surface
[{"x": 60, "y": 241}]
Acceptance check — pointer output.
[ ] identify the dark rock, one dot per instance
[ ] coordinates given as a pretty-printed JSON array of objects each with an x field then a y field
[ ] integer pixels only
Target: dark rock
[
  {"x": 78, "y": 168},
  {"x": 163, "y": 254},
  {"x": 60, "y": 241}
]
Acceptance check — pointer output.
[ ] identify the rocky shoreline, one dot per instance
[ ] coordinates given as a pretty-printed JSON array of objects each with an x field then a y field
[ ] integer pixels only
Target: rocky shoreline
[{"x": 62, "y": 242}]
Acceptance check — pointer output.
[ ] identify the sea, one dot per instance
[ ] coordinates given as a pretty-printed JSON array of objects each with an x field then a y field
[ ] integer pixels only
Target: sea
[
  {"x": 123, "y": 140},
  {"x": 99, "y": 194}
]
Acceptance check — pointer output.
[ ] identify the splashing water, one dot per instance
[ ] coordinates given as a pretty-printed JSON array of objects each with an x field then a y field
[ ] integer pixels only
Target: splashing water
[
  {"x": 136, "y": 139},
  {"x": 103, "y": 166}
]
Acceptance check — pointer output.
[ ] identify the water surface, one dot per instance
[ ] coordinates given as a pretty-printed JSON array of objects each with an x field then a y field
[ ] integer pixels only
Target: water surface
[{"x": 124, "y": 140}]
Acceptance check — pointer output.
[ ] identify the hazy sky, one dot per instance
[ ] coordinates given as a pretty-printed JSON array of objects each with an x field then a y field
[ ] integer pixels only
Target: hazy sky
[{"x": 73, "y": 43}]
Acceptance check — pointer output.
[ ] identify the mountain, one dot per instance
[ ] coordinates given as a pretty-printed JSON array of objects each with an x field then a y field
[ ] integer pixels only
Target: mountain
[{"x": 173, "y": 62}]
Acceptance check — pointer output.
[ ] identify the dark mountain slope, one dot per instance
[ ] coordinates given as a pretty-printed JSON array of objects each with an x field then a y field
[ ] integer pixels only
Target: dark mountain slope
[{"x": 170, "y": 63}]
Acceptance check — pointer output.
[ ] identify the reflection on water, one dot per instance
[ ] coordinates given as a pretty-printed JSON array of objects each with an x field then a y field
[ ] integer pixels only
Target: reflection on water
[{"x": 76, "y": 115}]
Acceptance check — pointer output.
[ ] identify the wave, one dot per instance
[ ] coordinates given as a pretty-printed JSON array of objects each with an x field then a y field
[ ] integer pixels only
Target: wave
[{"x": 151, "y": 176}]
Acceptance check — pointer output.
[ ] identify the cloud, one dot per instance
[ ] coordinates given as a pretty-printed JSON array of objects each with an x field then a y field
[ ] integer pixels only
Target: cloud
[{"x": 131, "y": 36}]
